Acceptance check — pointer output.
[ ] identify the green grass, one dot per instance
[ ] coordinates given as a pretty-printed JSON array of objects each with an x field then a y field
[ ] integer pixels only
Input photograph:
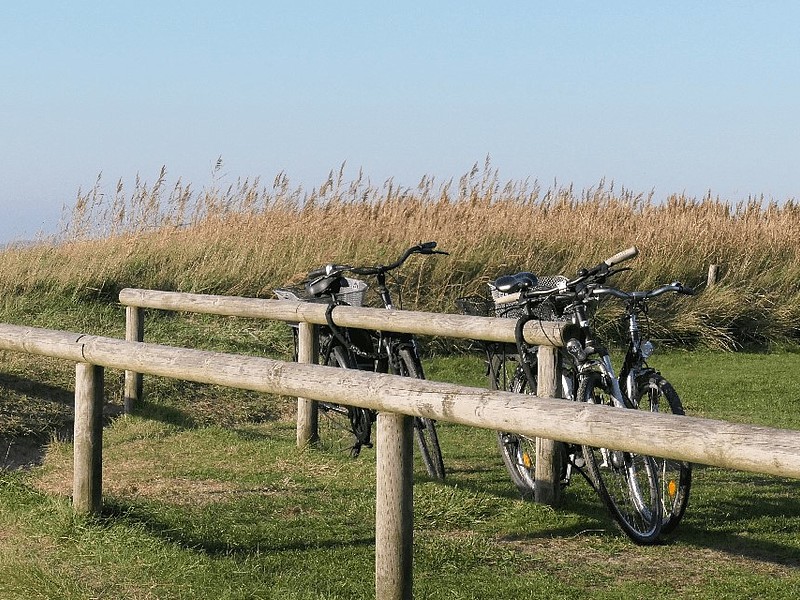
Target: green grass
[
  {"x": 208, "y": 511},
  {"x": 206, "y": 496}
]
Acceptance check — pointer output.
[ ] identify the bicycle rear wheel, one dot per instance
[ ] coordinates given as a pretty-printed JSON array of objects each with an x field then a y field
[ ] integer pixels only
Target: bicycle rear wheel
[
  {"x": 656, "y": 394},
  {"x": 424, "y": 429},
  {"x": 501, "y": 365},
  {"x": 519, "y": 451},
  {"x": 626, "y": 482},
  {"x": 344, "y": 427}
]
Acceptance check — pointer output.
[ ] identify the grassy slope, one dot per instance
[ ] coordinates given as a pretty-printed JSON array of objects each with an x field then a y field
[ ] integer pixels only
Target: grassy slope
[{"x": 206, "y": 496}]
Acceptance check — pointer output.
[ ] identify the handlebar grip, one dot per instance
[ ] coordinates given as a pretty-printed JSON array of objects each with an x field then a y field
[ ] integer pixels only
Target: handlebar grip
[
  {"x": 318, "y": 272},
  {"x": 424, "y": 248},
  {"x": 508, "y": 299},
  {"x": 619, "y": 257},
  {"x": 328, "y": 270}
]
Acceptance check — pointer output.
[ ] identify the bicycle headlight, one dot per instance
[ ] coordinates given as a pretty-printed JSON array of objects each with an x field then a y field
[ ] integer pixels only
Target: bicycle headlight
[{"x": 647, "y": 349}]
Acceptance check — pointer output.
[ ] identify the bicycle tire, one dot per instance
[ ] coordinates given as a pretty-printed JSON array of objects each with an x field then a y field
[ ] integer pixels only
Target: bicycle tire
[
  {"x": 501, "y": 365},
  {"x": 626, "y": 482},
  {"x": 424, "y": 429},
  {"x": 351, "y": 422},
  {"x": 518, "y": 451},
  {"x": 656, "y": 394}
]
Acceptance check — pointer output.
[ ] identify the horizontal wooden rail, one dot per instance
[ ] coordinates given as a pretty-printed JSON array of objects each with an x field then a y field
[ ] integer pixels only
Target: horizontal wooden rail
[
  {"x": 705, "y": 441},
  {"x": 403, "y": 321}
]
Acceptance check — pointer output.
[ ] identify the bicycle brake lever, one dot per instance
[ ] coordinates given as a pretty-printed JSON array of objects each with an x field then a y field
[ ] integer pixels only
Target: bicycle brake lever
[{"x": 426, "y": 248}]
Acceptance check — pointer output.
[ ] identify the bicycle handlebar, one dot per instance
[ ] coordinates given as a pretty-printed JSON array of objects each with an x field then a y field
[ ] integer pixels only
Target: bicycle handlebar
[
  {"x": 333, "y": 269},
  {"x": 424, "y": 248},
  {"x": 676, "y": 287},
  {"x": 603, "y": 267},
  {"x": 599, "y": 272}
]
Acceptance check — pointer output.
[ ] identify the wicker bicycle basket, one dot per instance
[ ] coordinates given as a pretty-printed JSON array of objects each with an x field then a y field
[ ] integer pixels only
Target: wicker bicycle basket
[
  {"x": 546, "y": 310},
  {"x": 352, "y": 293}
]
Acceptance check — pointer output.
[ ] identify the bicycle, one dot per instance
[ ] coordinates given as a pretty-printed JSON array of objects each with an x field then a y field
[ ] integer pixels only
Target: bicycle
[
  {"x": 647, "y": 389},
  {"x": 379, "y": 351},
  {"x": 629, "y": 484}
]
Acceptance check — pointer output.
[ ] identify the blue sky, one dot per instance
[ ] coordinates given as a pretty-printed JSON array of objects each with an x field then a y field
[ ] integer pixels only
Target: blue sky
[{"x": 670, "y": 97}]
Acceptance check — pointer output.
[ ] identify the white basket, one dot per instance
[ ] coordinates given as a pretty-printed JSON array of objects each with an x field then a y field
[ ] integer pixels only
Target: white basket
[
  {"x": 352, "y": 293},
  {"x": 510, "y": 311}
]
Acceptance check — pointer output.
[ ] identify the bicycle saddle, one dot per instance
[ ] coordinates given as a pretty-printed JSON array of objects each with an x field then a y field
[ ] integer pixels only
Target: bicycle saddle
[
  {"x": 509, "y": 284},
  {"x": 327, "y": 284}
]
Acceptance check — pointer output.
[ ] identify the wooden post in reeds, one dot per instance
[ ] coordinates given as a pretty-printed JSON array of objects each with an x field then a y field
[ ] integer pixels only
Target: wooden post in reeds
[
  {"x": 307, "y": 413},
  {"x": 394, "y": 507},
  {"x": 713, "y": 275},
  {"x": 548, "y": 452},
  {"x": 134, "y": 332},
  {"x": 87, "y": 484}
]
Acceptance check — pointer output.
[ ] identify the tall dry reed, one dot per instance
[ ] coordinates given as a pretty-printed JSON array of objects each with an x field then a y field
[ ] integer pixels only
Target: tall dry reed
[{"x": 248, "y": 237}]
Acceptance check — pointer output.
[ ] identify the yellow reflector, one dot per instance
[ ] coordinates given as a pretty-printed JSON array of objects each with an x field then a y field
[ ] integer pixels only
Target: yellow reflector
[
  {"x": 526, "y": 460},
  {"x": 672, "y": 488}
]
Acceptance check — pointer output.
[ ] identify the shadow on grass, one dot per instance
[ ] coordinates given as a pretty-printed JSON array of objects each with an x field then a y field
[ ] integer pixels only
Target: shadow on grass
[
  {"x": 187, "y": 536},
  {"x": 37, "y": 412},
  {"x": 40, "y": 391},
  {"x": 757, "y": 521},
  {"x": 165, "y": 414},
  {"x": 745, "y": 515},
  {"x": 739, "y": 545}
]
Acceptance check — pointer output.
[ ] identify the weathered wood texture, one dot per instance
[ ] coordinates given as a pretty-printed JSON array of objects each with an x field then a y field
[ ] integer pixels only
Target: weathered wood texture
[
  {"x": 134, "y": 332},
  {"x": 307, "y": 414},
  {"x": 705, "y": 441},
  {"x": 404, "y": 321},
  {"x": 394, "y": 507},
  {"x": 87, "y": 484},
  {"x": 547, "y": 489}
]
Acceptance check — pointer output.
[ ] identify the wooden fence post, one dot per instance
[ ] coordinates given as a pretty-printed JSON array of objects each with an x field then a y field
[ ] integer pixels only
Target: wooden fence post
[
  {"x": 394, "y": 507},
  {"x": 549, "y": 455},
  {"x": 134, "y": 332},
  {"x": 87, "y": 484},
  {"x": 307, "y": 414},
  {"x": 713, "y": 275}
]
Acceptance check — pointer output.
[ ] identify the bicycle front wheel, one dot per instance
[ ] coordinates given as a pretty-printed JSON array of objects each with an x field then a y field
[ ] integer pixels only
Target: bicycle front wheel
[
  {"x": 424, "y": 429},
  {"x": 656, "y": 394},
  {"x": 626, "y": 482}
]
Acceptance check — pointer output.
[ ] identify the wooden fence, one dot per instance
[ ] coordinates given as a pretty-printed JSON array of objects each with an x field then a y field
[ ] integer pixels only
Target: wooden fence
[
  {"x": 735, "y": 446},
  {"x": 547, "y": 335}
]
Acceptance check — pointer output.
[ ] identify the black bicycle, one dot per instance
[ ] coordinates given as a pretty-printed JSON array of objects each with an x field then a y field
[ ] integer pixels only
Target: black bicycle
[
  {"x": 379, "y": 351},
  {"x": 645, "y": 495}
]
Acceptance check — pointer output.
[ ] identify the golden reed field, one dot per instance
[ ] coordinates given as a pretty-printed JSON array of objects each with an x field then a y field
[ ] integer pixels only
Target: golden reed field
[{"x": 251, "y": 236}]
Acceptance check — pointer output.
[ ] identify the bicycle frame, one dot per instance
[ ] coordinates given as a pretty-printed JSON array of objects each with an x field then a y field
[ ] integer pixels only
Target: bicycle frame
[{"x": 637, "y": 353}]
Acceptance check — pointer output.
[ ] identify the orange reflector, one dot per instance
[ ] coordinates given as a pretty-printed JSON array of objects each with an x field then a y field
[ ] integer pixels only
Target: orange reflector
[{"x": 672, "y": 488}]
